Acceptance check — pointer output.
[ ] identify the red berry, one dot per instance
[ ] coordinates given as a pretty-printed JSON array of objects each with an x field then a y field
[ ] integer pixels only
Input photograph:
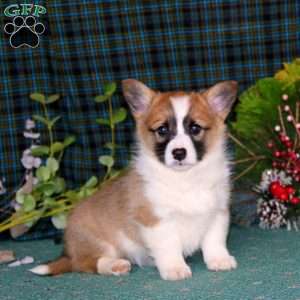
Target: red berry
[
  {"x": 270, "y": 144},
  {"x": 273, "y": 187},
  {"x": 290, "y": 190},
  {"x": 274, "y": 164},
  {"x": 292, "y": 155},
  {"x": 282, "y": 138},
  {"x": 283, "y": 165},
  {"x": 295, "y": 200},
  {"x": 283, "y": 153},
  {"x": 284, "y": 196},
  {"x": 277, "y": 153},
  {"x": 289, "y": 144}
]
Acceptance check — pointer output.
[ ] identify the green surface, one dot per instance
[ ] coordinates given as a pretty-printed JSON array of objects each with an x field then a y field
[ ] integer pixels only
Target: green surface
[{"x": 269, "y": 268}]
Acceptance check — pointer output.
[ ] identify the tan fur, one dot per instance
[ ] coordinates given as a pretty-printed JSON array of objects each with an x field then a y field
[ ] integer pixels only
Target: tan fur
[
  {"x": 62, "y": 265},
  {"x": 93, "y": 225}
]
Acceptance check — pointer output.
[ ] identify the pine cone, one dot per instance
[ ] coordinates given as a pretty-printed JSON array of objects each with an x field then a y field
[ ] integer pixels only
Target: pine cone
[{"x": 272, "y": 214}]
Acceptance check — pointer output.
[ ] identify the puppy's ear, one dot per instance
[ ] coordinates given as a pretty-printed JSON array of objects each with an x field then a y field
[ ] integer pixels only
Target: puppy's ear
[
  {"x": 137, "y": 95},
  {"x": 221, "y": 96}
]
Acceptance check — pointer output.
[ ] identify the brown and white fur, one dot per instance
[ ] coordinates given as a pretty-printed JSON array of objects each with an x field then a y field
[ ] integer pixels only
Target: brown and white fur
[{"x": 171, "y": 202}]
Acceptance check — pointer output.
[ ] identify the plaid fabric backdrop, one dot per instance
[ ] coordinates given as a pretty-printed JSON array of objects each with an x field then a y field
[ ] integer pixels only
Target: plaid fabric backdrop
[{"x": 166, "y": 44}]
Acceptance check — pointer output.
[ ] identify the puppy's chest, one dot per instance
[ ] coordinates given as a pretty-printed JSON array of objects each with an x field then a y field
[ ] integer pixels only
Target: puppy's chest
[
  {"x": 181, "y": 198},
  {"x": 190, "y": 230}
]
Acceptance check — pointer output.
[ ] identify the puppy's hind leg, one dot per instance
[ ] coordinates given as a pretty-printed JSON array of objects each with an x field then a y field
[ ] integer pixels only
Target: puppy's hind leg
[{"x": 113, "y": 266}]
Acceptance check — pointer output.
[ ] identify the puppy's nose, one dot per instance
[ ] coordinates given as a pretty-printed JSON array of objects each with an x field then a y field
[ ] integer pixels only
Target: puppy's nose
[{"x": 179, "y": 154}]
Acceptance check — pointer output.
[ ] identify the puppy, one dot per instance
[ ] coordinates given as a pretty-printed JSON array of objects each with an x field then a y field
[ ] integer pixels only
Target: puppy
[{"x": 173, "y": 201}]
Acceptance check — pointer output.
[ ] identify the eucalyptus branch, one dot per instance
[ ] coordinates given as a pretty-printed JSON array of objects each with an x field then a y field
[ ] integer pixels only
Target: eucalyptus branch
[
  {"x": 252, "y": 158},
  {"x": 115, "y": 116},
  {"x": 238, "y": 142},
  {"x": 245, "y": 171},
  {"x": 50, "y": 133},
  {"x": 44, "y": 193}
]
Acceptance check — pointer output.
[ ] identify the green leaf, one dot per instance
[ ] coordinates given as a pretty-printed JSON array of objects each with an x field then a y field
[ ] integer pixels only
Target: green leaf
[
  {"x": 47, "y": 188},
  {"x": 101, "y": 98},
  {"x": 30, "y": 223},
  {"x": 40, "y": 150},
  {"x": 119, "y": 115},
  {"x": 43, "y": 173},
  {"x": 72, "y": 195},
  {"x": 41, "y": 119},
  {"x": 109, "y": 145},
  {"x": 82, "y": 193},
  {"x": 106, "y": 160},
  {"x": 38, "y": 97},
  {"x": 109, "y": 88},
  {"x": 57, "y": 147},
  {"x": 60, "y": 185},
  {"x": 92, "y": 182},
  {"x": 59, "y": 221},
  {"x": 20, "y": 197},
  {"x": 49, "y": 201},
  {"x": 114, "y": 173},
  {"x": 69, "y": 140},
  {"x": 29, "y": 203},
  {"x": 89, "y": 192},
  {"x": 102, "y": 121},
  {"x": 52, "y": 164},
  {"x": 52, "y": 98},
  {"x": 270, "y": 88},
  {"x": 53, "y": 121}
]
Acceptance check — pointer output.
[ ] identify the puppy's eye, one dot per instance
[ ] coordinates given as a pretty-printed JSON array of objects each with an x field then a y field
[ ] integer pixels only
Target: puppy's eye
[
  {"x": 162, "y": 130},
  {"x": 195, "y": 129}
]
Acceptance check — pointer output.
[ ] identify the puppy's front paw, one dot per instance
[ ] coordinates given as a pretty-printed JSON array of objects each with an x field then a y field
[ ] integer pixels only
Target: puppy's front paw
[
  {"x": 222, "y": 263},
  {"x": 177, "y": 272}
]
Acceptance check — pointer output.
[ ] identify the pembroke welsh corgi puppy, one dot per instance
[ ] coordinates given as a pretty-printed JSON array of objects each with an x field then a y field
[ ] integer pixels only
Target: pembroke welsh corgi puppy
[{"x": 173, "y": 201}]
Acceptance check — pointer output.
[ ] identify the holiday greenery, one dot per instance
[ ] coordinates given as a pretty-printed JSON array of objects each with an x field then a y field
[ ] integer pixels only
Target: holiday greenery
[
  {"x": 267, "y": 137},
  {"x": 261, "y": 108},
  {"x": 43, "y": 192}
]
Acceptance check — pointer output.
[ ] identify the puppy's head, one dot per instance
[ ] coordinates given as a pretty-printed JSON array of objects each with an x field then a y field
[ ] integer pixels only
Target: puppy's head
[{"x": 179, "y": 128}]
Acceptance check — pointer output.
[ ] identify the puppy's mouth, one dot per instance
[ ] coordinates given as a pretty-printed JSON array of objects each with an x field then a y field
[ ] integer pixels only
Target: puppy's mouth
[{"x": 180, "y": 165}]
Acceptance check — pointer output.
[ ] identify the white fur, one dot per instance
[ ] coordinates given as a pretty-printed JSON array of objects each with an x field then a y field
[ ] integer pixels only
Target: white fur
[
  {"x": 40, "y": 270},
  {"x": 181, "y": 107},
  {"x": 193, "y": 208},
  {"x": 134, "y": 252}
]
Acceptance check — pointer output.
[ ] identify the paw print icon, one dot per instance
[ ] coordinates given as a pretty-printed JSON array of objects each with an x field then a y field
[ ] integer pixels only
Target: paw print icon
[{"x": 24, "y": 32}]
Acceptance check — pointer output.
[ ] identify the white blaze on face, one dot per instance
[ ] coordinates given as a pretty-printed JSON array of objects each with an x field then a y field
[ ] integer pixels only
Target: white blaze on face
[{"x": 181, "y": 106}]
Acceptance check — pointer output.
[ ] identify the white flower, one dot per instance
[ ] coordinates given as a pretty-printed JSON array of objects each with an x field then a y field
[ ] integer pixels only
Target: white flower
[
  {"x": 16, "y": 205},
  {"x": 31, "y": 135},
  {"x": 29, "y": 161},
  {"x": 30, "y": 124}
]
